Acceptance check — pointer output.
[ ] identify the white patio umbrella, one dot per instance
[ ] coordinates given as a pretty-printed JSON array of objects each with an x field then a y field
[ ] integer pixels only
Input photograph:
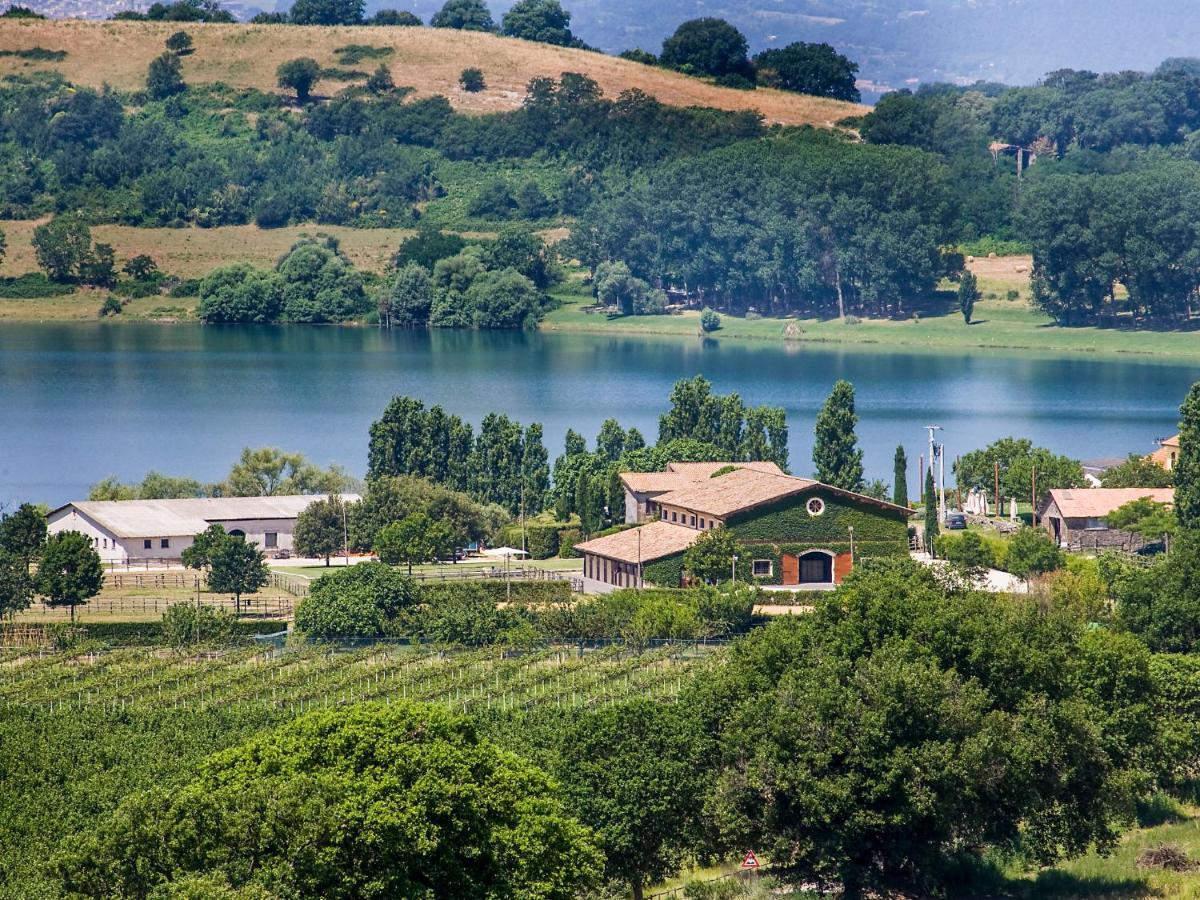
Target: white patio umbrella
[{"x": 503, "y": 552}]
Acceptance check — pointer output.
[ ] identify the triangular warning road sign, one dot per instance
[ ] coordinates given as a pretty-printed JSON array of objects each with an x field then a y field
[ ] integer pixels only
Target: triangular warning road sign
[{"x": 751, "y": 861}]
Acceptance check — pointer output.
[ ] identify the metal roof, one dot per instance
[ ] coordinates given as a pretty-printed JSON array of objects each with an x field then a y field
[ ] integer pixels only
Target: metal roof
[{"x": 154, "y": 518}]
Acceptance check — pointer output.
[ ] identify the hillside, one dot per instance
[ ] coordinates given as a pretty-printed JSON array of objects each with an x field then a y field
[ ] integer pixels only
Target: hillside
[{"x": 430, "y": 60}]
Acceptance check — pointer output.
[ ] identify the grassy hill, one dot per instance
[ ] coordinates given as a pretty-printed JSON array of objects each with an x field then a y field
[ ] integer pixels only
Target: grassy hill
[{"x": 428, "y": 59}]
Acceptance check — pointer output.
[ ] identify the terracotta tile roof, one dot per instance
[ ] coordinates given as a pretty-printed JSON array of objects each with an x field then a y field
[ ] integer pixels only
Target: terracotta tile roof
[
  {"x": 698, "y": 471},
  {"x": 653, "y": 482},
  {"x": 658, "y": 539},
  {"x": 679, "y": 475},
  {"x": 735, "y": 491},
  {"x": 1096, "y": 503}
]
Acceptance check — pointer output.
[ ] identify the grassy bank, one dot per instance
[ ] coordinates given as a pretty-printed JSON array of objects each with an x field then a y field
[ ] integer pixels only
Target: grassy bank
[{"x": 999, "y": 324}]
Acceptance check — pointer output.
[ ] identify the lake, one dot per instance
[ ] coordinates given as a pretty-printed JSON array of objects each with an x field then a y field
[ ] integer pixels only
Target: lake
[{"x": 84, "y": 400}]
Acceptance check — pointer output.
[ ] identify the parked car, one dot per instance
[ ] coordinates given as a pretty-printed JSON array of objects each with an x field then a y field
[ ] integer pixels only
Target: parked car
[{"x": 955, "y": 521}]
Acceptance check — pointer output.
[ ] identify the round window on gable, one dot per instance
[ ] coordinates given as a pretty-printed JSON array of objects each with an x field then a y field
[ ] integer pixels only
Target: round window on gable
[{"x": 815, "y": 506}]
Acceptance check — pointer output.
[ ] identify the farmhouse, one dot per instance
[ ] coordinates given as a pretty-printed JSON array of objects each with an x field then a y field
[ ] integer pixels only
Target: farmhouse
[
  {"x": 791, "y": 531},
  {"x": 142, "y": 530},
  {"x": 1077, "y": 517},
  {"x": 642, "y": 488},
  {"x": 1167, "y": 453}
]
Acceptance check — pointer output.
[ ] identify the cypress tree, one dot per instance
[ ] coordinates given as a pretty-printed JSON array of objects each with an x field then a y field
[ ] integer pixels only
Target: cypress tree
[
  {"x": 1187, "y": 466},
  {"x": 583, "y": 504},
  {"x": 931, "y": 511},
  {"x": 900, "y": 477},
  {"x": 835, "y": 453}
]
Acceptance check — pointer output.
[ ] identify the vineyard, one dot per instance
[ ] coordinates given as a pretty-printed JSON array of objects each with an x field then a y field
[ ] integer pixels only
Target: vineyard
[{"x": 295, "y": 682}]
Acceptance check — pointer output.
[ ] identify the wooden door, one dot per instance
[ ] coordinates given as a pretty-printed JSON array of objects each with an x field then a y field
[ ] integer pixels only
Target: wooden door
[{"x": 790, "y": 566}]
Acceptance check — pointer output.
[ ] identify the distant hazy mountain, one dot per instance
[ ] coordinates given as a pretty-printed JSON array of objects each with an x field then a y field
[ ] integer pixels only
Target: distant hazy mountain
[{"x": 896, "y": 42}]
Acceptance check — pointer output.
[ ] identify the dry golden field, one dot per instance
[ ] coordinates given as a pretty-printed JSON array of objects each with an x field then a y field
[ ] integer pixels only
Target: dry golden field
[
  {"x": 427, "y": 59},
  {"x": 192, "y": 252}
]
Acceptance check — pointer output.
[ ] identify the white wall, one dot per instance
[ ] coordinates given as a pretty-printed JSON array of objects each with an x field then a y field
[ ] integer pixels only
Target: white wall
[
  {"x": 107, "y": 544},
  {"x": 256, "y": 531}
]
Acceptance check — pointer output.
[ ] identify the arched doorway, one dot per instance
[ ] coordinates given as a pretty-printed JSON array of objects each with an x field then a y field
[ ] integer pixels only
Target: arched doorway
[
  {"x": 816, "y": 567},
  {"x": 237, "y": 532}
]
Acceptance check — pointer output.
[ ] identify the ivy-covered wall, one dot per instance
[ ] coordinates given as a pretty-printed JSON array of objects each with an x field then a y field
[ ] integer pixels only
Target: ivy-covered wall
[
  {"x": 788, "y": 528},
  {"x": 666, "y": 572}
]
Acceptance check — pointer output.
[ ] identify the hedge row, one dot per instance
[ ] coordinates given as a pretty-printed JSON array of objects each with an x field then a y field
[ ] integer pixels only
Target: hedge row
[
  {"x": 149, "y": 634},
  {"x": 533, "y": 592}
]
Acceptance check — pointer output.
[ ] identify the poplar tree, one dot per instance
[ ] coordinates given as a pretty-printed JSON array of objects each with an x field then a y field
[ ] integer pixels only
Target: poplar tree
[
  {"x": 900, "y": 477},
  {"x": 836, "y": 455},
  {"x": 931, "y": 511},
  {"x": 1187, "y": 466}
]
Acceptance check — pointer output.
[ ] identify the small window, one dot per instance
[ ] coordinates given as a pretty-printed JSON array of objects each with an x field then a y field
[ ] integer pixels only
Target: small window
[
  {"x": 702, "y": 523},
  {"x": 147, "y": 544},
  {"x": 272, "y": 538},
  {"x": 815, "y": 506},
  {"x": 762, "y": 568},
  {"x": 165, "y": 544},
  {"x": 693, "y": 521},
  {"x": 674, "y": 516}
]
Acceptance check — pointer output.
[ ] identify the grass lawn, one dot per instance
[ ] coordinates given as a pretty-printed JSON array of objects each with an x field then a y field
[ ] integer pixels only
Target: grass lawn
[
  {"x": 448, "y": 569},
  {"x": 1118, "y": 875},
  {"x": 999, "y": 324}
]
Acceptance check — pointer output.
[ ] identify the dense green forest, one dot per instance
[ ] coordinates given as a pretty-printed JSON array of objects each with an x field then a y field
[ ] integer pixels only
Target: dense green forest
[{"x": 716, "y": 208}]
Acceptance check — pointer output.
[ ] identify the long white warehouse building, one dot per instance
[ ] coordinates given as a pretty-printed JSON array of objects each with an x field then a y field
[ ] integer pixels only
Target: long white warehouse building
[{"x": 131, "y": 530}]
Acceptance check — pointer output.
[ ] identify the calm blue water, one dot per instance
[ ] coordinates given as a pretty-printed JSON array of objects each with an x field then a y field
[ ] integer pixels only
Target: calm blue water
[{"x": 80, "y": 401}]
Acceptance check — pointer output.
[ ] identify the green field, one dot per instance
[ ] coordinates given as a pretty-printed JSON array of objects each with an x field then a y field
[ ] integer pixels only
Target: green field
[
  {"x": 81, "y": 730},
  {"x": 1000, "y": 326}
]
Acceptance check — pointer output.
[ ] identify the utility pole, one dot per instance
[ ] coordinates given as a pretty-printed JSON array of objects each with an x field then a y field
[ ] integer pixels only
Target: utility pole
[
  {"x": 1033, "y": 496},
  {"x": 996, "y": 475},
  {"x": 640, "y": 583},
  {"x": 934, "y": 448},
  {"x": 941, "y": 449}
]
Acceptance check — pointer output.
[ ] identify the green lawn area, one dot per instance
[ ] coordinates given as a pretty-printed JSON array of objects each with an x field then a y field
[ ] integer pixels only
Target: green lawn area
[
  {"x": 998, "y": 325},
  {"x": 1119, "y": 875},
  {"x": 450, "y": 570},
  {"x": 1114, "y": 877}
]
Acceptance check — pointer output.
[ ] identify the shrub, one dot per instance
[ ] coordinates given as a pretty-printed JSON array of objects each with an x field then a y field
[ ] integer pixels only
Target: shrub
[
  {"x": 32, "y": 286},
  {"x": 465, "y": 613},
  {"x": 472, "y": 81},
  {"x": 188, "y": 624},
  {"x": 1032, "y": 552},
  {"x": 110, "y": 307},
  {"x": 709, "y": 319},
  {"x": 360, "y": 601},
  {"x": 180, "y": 43},
  {"x": 300, "y": 75}
]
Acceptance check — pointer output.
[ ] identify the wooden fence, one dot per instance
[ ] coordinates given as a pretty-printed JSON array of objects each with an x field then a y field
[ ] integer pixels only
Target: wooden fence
[
  {"x": 191, "y": 580},
  {"x": 266, "y": 607}
]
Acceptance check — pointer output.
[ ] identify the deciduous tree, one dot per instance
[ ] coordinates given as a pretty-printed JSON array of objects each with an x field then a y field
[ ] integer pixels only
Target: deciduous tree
[
  {"x": 69, "y": 572},
  {"x": 321, "y": 528},
  {"x": 237, "y": 567},
  {"x": 815, "y": 69},
  {"x": 402, "y": 797},
  {"x": 707, "y": 46},
  {"x": 164, "y": 77},
  {"x": 300, "y": 75},
  {"x": 544, "y": 21},
  {"x": 639, "y": 774},
  {"x": 466, "y": 15},
  {"x": 710, "y": 558},
  {"x": 23, "y": 533}
]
